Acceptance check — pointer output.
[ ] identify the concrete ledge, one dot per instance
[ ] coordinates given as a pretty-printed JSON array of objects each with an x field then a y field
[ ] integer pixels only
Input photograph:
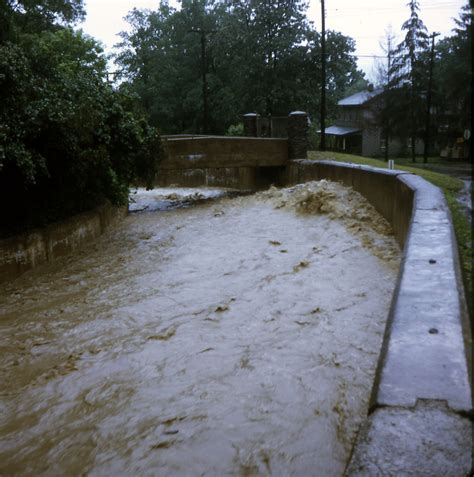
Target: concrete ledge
[
  {"x": 426, "y": 354},
  {"x": 23, "y": 252},
  {"x": 427, "y": 348},
  {"x": 425, "y": 441}
]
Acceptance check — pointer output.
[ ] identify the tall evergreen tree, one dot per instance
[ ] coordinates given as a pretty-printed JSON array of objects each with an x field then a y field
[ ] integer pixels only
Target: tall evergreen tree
[{"x": 408, "y": 77}]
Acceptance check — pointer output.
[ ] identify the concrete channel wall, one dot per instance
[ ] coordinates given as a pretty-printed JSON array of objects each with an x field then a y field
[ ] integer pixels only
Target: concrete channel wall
[
  {"x": 21, "y": 253},
  {"x": 420, "y": 415}
]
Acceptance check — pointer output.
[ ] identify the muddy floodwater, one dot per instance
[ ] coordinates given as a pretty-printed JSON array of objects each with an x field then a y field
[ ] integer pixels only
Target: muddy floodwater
[{"x": 233, "y": 337}]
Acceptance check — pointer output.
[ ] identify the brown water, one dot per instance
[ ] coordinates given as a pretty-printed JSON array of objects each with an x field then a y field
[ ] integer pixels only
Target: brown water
[{"x": 232, "y": 338}]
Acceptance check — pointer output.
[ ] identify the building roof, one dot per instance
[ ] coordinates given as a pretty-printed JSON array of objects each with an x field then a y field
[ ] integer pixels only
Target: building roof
[
  {"x": 340, "y": 130},
  {"x": 360, "y": 98}
]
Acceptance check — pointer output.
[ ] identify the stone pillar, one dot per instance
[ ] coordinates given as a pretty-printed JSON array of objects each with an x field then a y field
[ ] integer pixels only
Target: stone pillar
[
  {"x": 298, "y": 128},
  {"x": 250, "y": 124}
]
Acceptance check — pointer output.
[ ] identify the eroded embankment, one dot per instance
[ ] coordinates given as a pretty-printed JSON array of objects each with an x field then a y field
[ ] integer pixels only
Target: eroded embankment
[{"x": 236, "y": 336}]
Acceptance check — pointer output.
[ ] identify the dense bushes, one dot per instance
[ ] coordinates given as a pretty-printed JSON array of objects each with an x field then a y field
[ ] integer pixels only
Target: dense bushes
[{"x": 68, "y": 141}]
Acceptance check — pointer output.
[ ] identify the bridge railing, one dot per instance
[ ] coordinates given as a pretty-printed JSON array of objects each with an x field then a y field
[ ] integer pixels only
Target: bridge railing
[{"x": 195, "y": 151}]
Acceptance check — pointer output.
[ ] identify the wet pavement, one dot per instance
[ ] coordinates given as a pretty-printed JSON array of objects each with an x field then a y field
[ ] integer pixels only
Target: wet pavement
[
  {"x": 464, "y": 173},
  {"x": 234, "y": 337}
]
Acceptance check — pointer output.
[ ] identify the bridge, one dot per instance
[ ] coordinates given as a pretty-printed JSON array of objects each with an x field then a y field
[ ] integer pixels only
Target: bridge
[{"x": 248, "y": 162}]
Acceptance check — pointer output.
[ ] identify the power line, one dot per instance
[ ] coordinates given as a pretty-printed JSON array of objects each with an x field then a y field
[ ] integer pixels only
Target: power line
[
  {"x": 428, "y": 101},
  {"x": 440, "y": 6},
  {"x": 322, "y": 143},
  {"x": 367, "y": 56},
  {"x": 203, "y": 34}
]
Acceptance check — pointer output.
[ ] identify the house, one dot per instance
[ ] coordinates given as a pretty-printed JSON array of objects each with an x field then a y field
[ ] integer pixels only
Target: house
[
  {"x": 454, "y": 135},
  {"x": 357, "y": 129}
]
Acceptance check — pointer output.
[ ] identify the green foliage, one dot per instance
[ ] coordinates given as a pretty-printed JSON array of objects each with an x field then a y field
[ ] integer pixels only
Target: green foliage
[
  {"x": 261, "y": 56},
  {"x": 453, "y": 73},
  {"x": 34, "y": 16},
  {"x": 406, "y": 82},
  {"x": 235, "y": 130},
  {"x": 314, "y": 136},
  {"x": 408, "y": 79},
  {"x": 68, "y": 141},
  {"x": 464, "y": 237}
]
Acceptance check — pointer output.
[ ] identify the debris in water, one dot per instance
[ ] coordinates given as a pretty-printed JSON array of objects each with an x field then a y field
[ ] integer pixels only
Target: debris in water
[
  {"x": 162, "y": 445},
  {"x": 171, "y": 432},
  {"x": 164, "y": 335},
  {"x": 222, "y": 308},
  {"x": 266, "y": 460},
  {"x": 301, "y": 265},
  {"x": 172, "y": 420},
  {"x": 245, "y": 362},
  {"x": 206, "y": 350},
  {"x": 162, "y": 199}
]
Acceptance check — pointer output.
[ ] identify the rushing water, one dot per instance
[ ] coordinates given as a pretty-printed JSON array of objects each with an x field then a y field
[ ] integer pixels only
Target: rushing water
[{"x": 231, "y": 338}]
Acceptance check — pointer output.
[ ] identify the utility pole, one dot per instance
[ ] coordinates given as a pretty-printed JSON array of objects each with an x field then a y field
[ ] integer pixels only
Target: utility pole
[
  {"x": 322, "y": 144},
  {"x": 387, "y": 99},
  {"x": 428, "y": 101},
  {"x": 203, "y": 34}
]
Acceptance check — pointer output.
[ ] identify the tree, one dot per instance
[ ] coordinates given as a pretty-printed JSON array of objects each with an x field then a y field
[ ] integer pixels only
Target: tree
[
  {"x": 452, "y": 74},
  {"x": 33, "y": 16},
  {"x": 161, "y": 57},
  {"x": 262, "y": 56},
  {"x": 382, "y": 66},
  {"x": 384, "y": 113},
  {"x": 68, "y": 141},
  {"x": 266, "y": 41},
  {"x": 408, "y": 77}
]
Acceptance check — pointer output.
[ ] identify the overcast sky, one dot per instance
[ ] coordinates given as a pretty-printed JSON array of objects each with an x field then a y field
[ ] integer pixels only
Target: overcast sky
[{"x": 363, "y": 20}]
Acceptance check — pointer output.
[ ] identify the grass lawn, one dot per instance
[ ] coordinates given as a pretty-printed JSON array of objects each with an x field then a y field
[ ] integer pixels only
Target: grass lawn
[{"x": 450, "y": 186}]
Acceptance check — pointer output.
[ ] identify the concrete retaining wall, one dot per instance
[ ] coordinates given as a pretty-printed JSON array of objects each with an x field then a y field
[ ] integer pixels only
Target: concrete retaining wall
[
  {"x": 24, "y": 252},
  {"x": 420, "y": 416}
]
